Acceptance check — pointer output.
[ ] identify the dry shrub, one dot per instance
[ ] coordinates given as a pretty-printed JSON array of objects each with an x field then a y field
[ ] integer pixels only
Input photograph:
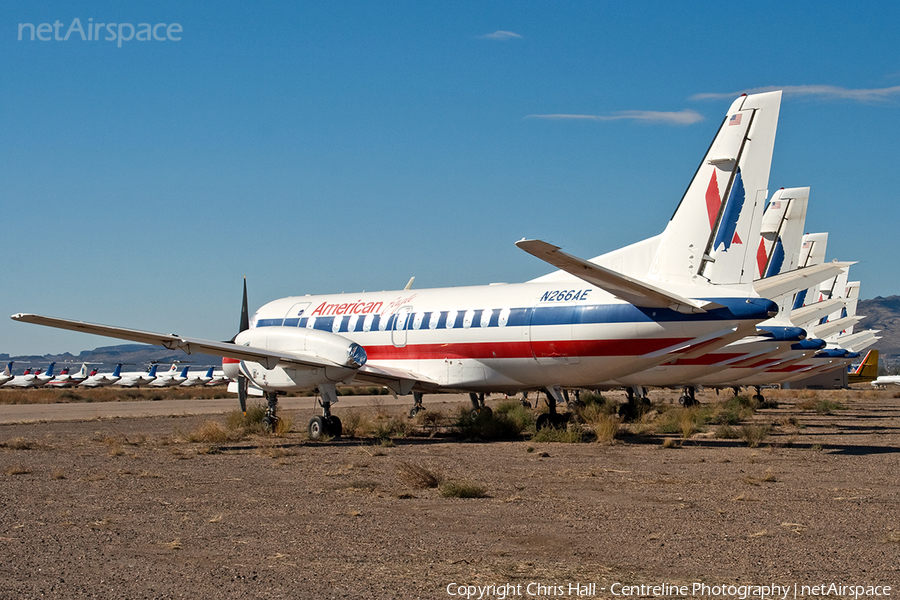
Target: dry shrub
[
  {"x": 210, "y": 432},
  {"x": 17, "y": 470},
  {"x": 570, "y": 435},
  {"x": 417, "y": 476},
  {"x": 462, "y": 489},
  {"x": 606, "y": 428},
  {"x": 18, "y": 443},
  {"x": 671, "y": 443},
  {"x": 755, "y": 433}
]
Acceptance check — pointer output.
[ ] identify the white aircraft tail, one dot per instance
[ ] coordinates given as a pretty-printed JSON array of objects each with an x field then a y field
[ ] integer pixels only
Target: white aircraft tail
[
  {"x": 712, "y": 235},
  {"x": 782, "y": 232}
]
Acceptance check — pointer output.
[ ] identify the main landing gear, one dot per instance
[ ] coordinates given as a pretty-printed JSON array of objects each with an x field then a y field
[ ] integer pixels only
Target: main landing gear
[
  {"x": 687, "y": 397},
  {"x": 327, "y": 424},
  {"x": 478, "y": 407},
  {"x": 271, "y": 418},
  {"x": 417, "y": 404},
  {"x": 636, "y": 404},
  {"x": 555, "y": 395}
]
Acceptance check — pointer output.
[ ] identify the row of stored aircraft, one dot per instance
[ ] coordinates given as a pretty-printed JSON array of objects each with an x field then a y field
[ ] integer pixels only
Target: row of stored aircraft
[
  {"x": 176, "y": 376},
  {"x": 724, "y": 296}
]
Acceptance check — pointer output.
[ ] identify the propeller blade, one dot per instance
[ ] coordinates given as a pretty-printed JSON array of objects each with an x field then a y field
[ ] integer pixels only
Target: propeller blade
[
  {"x": 245, "y": 313},
  {"x": 242, "y": 393}
]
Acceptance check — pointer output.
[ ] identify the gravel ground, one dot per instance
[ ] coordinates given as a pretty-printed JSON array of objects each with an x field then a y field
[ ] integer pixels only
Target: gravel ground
[{"x": 128, "y": 508}]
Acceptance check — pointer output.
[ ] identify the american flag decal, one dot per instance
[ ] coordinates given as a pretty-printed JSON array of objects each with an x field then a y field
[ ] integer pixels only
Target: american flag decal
[{"x": 735, "y": 119}]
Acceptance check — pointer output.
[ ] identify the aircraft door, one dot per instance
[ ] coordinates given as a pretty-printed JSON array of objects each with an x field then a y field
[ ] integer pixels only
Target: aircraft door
[
  {"x": 399, "y": 331},
  {"x": 298, "y": 310}
]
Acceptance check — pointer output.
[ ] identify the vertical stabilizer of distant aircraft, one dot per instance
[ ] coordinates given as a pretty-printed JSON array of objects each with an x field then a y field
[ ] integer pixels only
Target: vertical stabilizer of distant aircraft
[
  {"x": 782, "y": 232},
  {"x": 712, "y": 235}
]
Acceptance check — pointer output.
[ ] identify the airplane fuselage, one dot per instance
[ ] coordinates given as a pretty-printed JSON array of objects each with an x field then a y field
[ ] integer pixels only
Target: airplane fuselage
[{"x": 504, "y": 337}]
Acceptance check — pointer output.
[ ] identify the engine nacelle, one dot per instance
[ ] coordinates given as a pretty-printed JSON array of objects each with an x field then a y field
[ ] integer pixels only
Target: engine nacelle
[{"x": 346, "y": 355}]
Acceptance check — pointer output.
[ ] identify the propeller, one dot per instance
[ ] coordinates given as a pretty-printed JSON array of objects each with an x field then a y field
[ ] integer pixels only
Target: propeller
[{"x": 242, "y": 382}]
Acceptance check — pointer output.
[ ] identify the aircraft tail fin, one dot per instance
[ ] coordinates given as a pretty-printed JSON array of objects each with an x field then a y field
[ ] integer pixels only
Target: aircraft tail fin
[
  {"x": 8, "y": 370},
  {"x": 152, "y": 371},
  {"x": 184, "y": 372},
  {"x": 49, "y": 372},
  {"x": 867, "y": 369},
  {"x": 782, "y": 232},
  {"x": 118, "y": 370},
  {"x": 712, "y": 235}
]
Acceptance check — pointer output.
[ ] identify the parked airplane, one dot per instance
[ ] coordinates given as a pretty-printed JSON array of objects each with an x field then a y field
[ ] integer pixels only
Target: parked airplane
[
  {"x": 65, "y": 379},
  {"x": 687, "y": 287},
  {"x": 137, "y": 378},
  {"x": 27, "y": 379},
  {"x": 6, "y": 375},
  {"x": 198, "y": 380},
  {"x": 170, "y": 378},
  {"x": 96, "y": 379}
]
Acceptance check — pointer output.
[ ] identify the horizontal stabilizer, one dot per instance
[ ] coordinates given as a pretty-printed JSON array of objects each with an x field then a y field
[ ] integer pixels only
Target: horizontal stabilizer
[
  {"x": 813, "y": 313},
  {"x": 798, "y": 279},
  {"x": 626, "y": 288}
]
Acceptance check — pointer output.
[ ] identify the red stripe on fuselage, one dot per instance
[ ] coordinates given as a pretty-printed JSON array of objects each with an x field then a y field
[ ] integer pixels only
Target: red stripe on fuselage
[{"x": 542, "y": 349}]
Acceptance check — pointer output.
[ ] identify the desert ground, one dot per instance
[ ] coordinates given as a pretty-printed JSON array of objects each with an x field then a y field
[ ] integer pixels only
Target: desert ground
[{"x": 196, "y": 506}]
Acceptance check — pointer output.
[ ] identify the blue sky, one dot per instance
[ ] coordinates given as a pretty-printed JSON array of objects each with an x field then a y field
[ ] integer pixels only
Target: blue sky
[{"x": 328, "y": 147}]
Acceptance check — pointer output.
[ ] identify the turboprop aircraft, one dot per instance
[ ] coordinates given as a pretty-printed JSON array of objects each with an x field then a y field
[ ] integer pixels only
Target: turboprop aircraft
[{"x": 593, "y": 323}]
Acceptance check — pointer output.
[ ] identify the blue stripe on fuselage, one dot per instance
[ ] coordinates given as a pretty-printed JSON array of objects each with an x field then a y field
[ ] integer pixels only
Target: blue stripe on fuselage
[{"x": 733, "y": 308}]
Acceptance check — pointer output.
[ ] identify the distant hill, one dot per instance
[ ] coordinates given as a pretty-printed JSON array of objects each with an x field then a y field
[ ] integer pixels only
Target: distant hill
[
  {"x": 884, "y": 314},
  {"x": 136, "y": 356}
]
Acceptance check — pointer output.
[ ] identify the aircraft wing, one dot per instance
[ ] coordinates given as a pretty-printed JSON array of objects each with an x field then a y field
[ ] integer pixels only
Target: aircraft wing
[
  {"x": 398, "y": 380},
  {"x": 622, "y": 286},
  {"x": 269, "y": 358},
  {"x": 798, "y": 279}
]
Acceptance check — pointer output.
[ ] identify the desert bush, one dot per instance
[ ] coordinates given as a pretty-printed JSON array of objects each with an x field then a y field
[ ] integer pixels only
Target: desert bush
[
  {"x": 486, "y": 425},
  {"x": 522, "y": 417},
  {"x": 462, "y": 489},
  {"x": 755, "y": 433},
  {"x": 606, "y": 428},
  {"x": 570, "y": 435},
  {"x": 417, "y": 476},
  {"x": 211, "y": 432},
  {"x": 387, "y": 428}
]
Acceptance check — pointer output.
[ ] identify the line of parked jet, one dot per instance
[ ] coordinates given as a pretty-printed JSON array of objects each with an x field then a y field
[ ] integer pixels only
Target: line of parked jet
[
  {"x": 731, "y": 293},
  {"x": 175, "y": 377}
]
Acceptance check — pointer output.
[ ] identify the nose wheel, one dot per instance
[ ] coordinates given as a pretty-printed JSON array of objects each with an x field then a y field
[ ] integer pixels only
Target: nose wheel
[{"x": 326, "y": 423}]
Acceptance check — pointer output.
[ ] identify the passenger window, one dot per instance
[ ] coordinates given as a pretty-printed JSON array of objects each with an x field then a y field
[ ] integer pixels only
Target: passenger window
[
  {"x": 351, "y": 324},
  {"x": 504, "y": 317},
  {"x": 417, "y": 320},
  {"x": 433, "y": 321},
  {"x": 367, "y": 323},
  {"x": 336, "y": 325},
  {"x": 311, "y": 324},
  {"x": 468, "y": 318},
  {"x": 486, "y": 317}
]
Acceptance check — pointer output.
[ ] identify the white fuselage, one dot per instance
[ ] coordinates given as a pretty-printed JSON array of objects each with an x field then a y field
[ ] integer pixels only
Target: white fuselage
[{"x": 502, "y": 337}]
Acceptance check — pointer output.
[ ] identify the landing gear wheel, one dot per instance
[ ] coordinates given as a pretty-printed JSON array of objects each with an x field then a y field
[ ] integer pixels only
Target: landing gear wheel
[
  {"x": 483, "y": 412},
  {"x": 526, "y": 403},
  {"x": 269, "y": 422},
  {"x": 333, "y": 426},
  {"x": 414, "y": 411},
  {"x": 316, "y": 428}
]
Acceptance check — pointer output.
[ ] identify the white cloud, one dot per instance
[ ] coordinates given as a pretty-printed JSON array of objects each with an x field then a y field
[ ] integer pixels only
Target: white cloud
[
  {"x": 830, "y": 92},
  {"x": 500, "y": 35},
  {"x": 684, "y": 117}
]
